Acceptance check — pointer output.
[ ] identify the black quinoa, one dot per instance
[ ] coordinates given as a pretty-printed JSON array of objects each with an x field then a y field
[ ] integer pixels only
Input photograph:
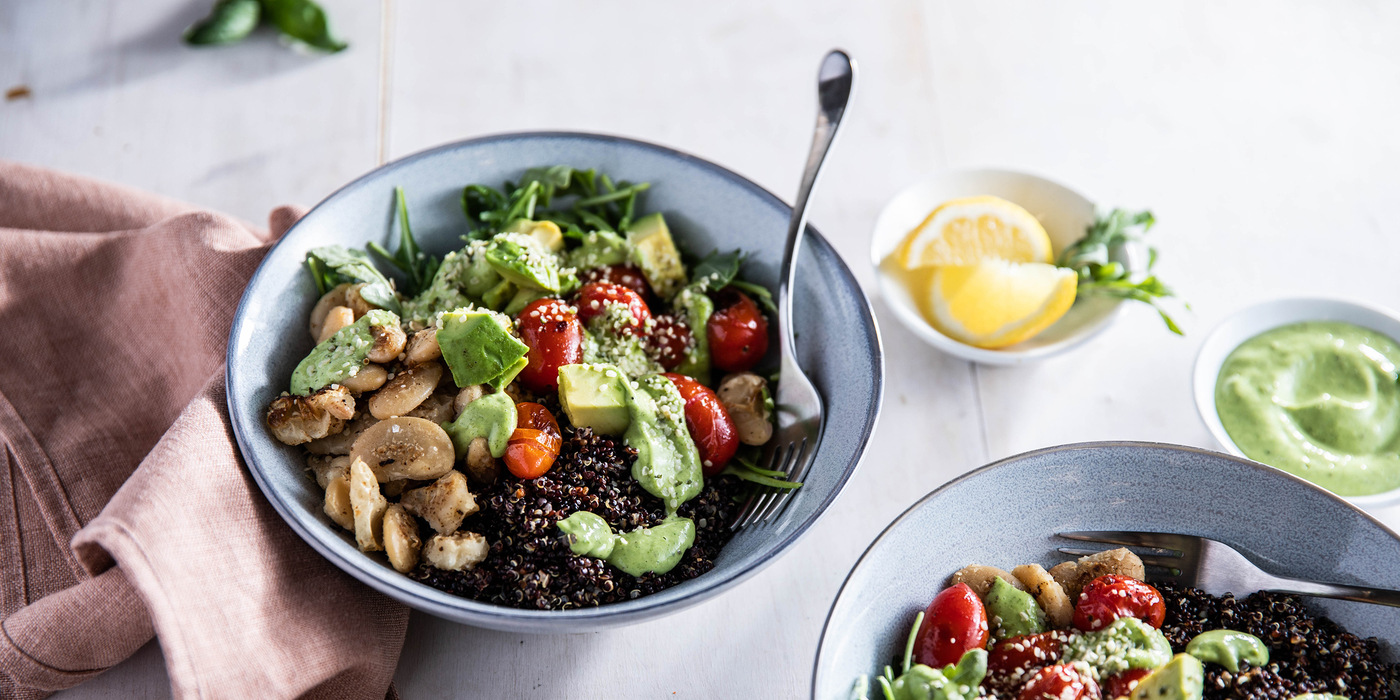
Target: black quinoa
[
  {"x": 531, "y": 566},
  {"x": 1307, "y": 653}
]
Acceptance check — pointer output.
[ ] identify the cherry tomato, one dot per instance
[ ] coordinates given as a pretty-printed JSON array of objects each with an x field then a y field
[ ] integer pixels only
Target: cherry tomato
[
  {"x": 535, "y": 443},
  {"x": 555, "y": 337},
  {"x": 1120, "y": 685},
  {"x": 670, "y": 341},
  {"x": 1110, "y": 597},
  {"x": 954, "y": 623},
  {"x": 708, "y": 422},
  {"x": 626, "y": 275},
  {"x": 1060, "y": 683},
  {"x": 593, "y": 300},
  {"x": 1026, "y": 652},
  {"x": 738, "y": 332}
]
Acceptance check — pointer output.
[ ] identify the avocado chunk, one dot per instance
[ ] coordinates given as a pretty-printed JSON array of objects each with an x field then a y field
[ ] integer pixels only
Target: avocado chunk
[
  {"x": 492, "y": 416},
  {"x": 522, "y": 299},
  {"x": 951, "y": 682},
  {"x": 1228, "y": 648},
  {"x": 479, "y": 348},
  {"x": 599, "y": 249},
  {"x": 1126, "y": 643},
  {"x": 593, "y": 396},
  {"x": 697, "y": 308},
  {"x": 1183, "y": 678},
  {"x": 1013, "y": 612},
  {"x": 523, "y": 261},
  {"x": 656, "y": 254},
  {"x": 340, "y": 356},
  {"x": 547, "y": 233}
]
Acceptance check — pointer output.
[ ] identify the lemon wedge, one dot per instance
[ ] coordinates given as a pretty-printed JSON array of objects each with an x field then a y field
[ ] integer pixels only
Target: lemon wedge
[
  {"x": 967, "y": 231},
  {"x": 995, "y": 303}
]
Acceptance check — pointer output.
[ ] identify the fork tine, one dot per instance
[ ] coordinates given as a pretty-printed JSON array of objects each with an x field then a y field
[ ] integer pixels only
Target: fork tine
[
  {"x": 1182, "y": 544},
  {"x": 790, "y": 452},
  {"x": 760, "y": 498},
  {"x": 801, "y": 461},
  {"x": 1164, "y": 561}
]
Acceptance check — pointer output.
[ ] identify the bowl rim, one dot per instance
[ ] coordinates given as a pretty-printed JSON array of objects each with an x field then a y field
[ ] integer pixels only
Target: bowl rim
[
  {"x": 932, "y": 336},
  {"x": 1204, "y": 377},
  {"x": 1075, "y": 446},
  {"x": 468, "y": 611}
]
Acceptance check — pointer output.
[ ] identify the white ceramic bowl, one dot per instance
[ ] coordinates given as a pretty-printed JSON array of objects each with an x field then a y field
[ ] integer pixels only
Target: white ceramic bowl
[
  {"x": 1064, "y": 213},
  {"x": 1247, "y": 323}
]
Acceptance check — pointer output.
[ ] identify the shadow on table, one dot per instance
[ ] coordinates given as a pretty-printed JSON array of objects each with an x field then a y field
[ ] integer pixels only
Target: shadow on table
[{"x": 161, "y": 48}]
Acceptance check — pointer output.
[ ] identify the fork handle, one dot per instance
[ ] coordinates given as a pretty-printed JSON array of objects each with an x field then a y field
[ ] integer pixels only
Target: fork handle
[{"x": 1379, "y": 596}]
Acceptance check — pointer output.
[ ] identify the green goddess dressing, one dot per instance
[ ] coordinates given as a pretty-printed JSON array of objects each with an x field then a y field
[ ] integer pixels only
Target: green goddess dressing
[{"x": 1319, "y": 400}]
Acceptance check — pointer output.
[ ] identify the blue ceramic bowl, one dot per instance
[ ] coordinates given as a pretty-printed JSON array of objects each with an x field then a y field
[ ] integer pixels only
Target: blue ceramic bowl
[
  {"x": 1007, "y": 514},
  {"x": 706, "y": 206}
]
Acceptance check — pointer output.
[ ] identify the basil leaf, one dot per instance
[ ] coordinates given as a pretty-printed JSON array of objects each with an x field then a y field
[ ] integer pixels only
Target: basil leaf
[
  {"x": 304, "y": 21},
  {"x": 339, "y": 264},
  {"x": 228, "y": 23}
]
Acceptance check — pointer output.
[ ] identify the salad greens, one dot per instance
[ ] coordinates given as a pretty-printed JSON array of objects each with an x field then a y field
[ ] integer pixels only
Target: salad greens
[
  {"x": 920, "y": 682},
  {"x": 1100, "y": 276},
  {"x": 595, "y": 202},
  {"x": 231, "y": 21},
  {"x": 333, "y": 265},
  {"x": 418, "y": 266}
]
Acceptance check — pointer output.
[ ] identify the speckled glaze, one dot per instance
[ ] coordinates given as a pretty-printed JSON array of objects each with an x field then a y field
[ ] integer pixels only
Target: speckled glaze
[
  {"x": 1007, "y": 513},
  {"x": 706, "y": 206}
]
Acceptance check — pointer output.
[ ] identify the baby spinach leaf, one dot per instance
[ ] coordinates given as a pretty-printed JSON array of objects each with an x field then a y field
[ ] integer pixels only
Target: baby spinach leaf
[
  {"x": 334, "y": 264},
  {"x": 304, "y": 21},
  {"x": 228, "y": 23},
  {"x": 717, "y": 270}
]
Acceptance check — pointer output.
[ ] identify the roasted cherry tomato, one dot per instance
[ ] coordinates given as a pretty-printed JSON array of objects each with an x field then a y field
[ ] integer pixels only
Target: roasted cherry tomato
[
  {"x": 535, "y": 443},
  {"x": 738, "y": 332},
  {"x": 670, "y": 341},
  {"x": 1110, "y": 597},
  {"x": 555, "y": 337},
  {"x": 709, "y": 424},
  {"x": 1025, "y": 653},
  {"x": 954, "y": 623},
  {"x": 594, "y": 298},
  {"x": 1120, "y": 685},
  {"x": 1060, "y": 683},
  {"x": 626, "y": 275}
]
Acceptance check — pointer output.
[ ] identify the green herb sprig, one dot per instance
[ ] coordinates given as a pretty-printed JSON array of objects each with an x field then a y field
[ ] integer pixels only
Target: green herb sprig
[
  {"x": 1089, "y": 257},
  {"x": 418, "y": 266},
  {"x": 231, "y": 21},
  {"x": 597, "y": 203}
]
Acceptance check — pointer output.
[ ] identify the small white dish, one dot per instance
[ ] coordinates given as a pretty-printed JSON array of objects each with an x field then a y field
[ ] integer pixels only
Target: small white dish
[
  {"x": 1252, "y": 321},
  {"x": 1064, "y": 213}
]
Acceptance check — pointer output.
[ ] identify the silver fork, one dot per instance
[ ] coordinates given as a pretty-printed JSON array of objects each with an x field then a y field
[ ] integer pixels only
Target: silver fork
[
  {"x": 1217, "y": 568},
  {"x": 794, "y": 444}
]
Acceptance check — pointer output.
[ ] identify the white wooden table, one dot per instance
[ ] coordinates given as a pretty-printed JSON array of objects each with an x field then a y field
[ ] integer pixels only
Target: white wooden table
[{"x": 1262, "y": 134}]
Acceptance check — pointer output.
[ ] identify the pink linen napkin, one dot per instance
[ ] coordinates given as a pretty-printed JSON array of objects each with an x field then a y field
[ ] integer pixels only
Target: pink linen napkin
[{"x": 125, "y": 511}]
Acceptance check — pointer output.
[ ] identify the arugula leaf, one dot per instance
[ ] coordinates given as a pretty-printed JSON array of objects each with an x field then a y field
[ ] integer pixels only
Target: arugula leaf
[
  {"x": 1099, "y": 276},
  {"x": 333, "y": 264},
  {"x": 537, "y": 197},
  {"x": 304, "y": 21},
  {"x": 228, "y": 23},
  {"x": 418, "y": 266}
]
